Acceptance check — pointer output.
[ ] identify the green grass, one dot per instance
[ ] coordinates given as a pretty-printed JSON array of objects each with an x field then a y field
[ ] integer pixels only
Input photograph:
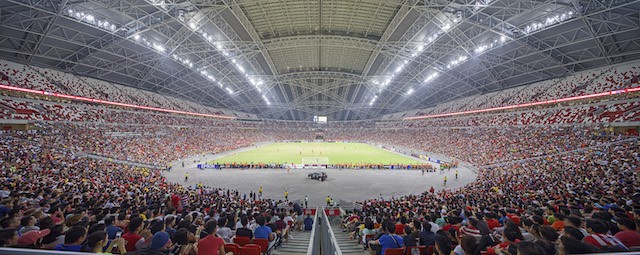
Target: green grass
[{"x": 280, "y": 153}]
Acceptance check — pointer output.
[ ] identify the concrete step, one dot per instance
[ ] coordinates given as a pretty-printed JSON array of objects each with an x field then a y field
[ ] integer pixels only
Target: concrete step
[
  {"x": 347, "y": 245},
  {"x": 298, "y": 245}
]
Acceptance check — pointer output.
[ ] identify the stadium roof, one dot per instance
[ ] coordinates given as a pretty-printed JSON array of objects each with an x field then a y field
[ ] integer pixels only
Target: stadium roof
[{"x": 348, "y": 59}]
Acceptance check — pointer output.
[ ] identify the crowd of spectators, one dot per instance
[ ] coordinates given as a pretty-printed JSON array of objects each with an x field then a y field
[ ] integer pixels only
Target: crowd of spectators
[
  {"x": 585, "y": 201},
  {"x": 588, "y": 82},
  {"x": 54, "y": 199},
  {"x": 49, "y": 80},
  {"x": 525, "y": 174},
  {"x": 540, "y": 189}
]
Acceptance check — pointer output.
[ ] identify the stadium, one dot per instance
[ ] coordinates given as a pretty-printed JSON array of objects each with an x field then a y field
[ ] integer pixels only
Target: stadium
[{"x": 278, "y": 127}]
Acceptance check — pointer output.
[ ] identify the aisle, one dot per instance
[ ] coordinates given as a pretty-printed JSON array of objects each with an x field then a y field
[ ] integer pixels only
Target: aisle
[
  {"x": 298, "y": 245},
  {"x": 347, "y": 245}
]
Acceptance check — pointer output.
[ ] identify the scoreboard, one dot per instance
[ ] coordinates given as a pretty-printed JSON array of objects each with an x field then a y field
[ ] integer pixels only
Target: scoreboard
[{"x": 320, "y": 119}]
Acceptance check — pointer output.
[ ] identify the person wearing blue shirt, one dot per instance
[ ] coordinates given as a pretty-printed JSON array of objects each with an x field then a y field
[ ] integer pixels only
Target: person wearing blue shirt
[
  {"x": 73, "y": 239},
  {"x": 387, "y": 240},
  {"x": 427, "y": 237},
  {"x": 263, "y": 231},
  {"x": 110, "y": 228},
  {"x": 308, "y": 223}
]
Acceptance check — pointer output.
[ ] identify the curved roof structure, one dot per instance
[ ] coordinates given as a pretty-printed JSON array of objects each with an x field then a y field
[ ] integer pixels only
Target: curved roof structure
[{"x": 347, "y": 59}]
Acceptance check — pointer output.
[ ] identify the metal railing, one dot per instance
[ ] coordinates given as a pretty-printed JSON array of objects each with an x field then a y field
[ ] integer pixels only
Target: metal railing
[
  {"x": 312, "y": 248},
  {"x": 323, "y": 241}
]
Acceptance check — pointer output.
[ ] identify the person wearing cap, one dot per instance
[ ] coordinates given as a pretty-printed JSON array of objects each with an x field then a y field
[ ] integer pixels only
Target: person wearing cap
[
  {"x": 160, "y": 242},
  {"x": 32, "y": 238}
]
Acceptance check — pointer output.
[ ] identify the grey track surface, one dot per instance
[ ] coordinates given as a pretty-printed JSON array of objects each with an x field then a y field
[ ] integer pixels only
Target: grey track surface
[{"x": 350, "y": 185}]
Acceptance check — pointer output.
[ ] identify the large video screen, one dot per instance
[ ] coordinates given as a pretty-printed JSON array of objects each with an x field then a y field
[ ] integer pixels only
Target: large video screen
[{"x": 320, "y": 119}]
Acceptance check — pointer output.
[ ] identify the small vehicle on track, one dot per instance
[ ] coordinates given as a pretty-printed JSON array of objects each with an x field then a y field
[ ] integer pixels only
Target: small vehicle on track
[{"x": 318, "y": 176}]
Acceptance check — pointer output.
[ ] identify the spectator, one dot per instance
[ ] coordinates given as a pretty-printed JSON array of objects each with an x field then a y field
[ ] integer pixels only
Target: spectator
[
  {"x": 28, "y": 223},
  {"x": 443, "y": 245},
  {"x": 570, "y": 245},
  {"x": 427, "y": 238},
  {"x": 598, "y": 237},
  {"x": 110, "y": 228},
  {"x": 530, "y": 248},
  {"x": 73, "y": 239},
  {"x": 223, "y": 231},
  {"x": 132, "y": 238},
  {"x": 308, "y": 223},
  {"x": 387, "y": 240},
  {"x": 8, "y": 237},
  {"x": 628, "y": 235},
  {"x": 32, "y": 239},
  {"x": 98, "y": 241},
  {"x": 244, "y": 230},
  {"x": 211, "y": 244},
  {"x": 182, "y": 244},
  {"x": 467, "y": 246}
]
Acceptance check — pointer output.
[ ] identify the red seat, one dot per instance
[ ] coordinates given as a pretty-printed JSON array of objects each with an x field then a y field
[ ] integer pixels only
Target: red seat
[
  {"x": 409, "y": 249},
  {"x": 242, "y": 240},
  {"x": 429, "y": 250},
  {"x": 232, "y": 247},
  {"x": 255, "y": 247},
  {"x": 394, "y": 251},
  {"x": 248, "y": 250},
  {"x": 264, "y": 244}
]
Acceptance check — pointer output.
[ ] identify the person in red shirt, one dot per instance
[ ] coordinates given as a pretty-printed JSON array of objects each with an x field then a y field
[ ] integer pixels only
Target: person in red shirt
[
  {"x": 399, "y": 230},
  {"x": 628, "y": 234},
  {"x": 558, "y": 225},
  {"x": 492, "y": 222},
  {"x": 211, "y": 244},
  {"x": 132, "y": 238},
  {"x": 175, "y": 200},
  {"x": 510, "y": 236},
  {"x": 598, "y": 236}
]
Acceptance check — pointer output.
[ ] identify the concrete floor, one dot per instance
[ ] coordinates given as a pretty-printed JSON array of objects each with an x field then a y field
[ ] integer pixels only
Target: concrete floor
[{"x": 348, "y": 185}]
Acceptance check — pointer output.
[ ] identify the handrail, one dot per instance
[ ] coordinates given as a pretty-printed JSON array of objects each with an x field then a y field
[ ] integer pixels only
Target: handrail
[
  {"x": 332, "y": 236},
  {"x": 313, "y": 234}
]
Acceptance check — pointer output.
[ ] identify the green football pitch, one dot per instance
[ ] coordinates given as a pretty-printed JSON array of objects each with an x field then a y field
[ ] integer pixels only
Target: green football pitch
[{"x": 336, "y": 153}]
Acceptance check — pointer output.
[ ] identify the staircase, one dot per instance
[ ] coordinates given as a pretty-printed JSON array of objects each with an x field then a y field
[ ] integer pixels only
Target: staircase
[
  {"x": 346, "y": 244},
  {"x": 298, "y": 245}
]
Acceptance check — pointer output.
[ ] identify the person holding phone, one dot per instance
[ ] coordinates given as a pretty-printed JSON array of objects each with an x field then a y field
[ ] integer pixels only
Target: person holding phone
[{"x": 97, "y": 241}]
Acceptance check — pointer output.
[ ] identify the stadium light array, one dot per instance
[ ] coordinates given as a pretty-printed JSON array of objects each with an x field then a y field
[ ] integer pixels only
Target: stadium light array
[
  {"x": 208, "y": 37},
  {"x": 548, "y": 21},
  {"x": 86, "y": 17},
  {"x": 410, "y": 91},
  {"x": 105, "y": 102},
  {"x": 431, "y": 77},
  {"x": 158, "y": 47},
  {"x": 457, "y": 61},
  {"x": 546, "y": 102},
  {"x": 481, "y": 3},
  {"x": 418, "y": 49},
  {"x": 373, "y": 100}
]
